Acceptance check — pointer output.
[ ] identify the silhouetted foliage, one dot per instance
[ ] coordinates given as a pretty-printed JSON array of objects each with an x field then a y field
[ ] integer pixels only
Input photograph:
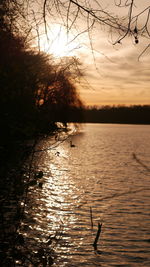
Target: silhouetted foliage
[
  {"x": 33, "y": 93},
  {"x": 59, "y": 99}
]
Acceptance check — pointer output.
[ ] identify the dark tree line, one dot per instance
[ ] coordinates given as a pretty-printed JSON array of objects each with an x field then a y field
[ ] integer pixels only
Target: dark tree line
[{"x": 135, "y": 114}]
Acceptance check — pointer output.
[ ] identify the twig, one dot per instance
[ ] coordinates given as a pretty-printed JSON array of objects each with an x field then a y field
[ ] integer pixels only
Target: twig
[
  {"x": 91, "y": 216},
  {"x": 97, "y": 236},
  {"x": 141, "y": 163}
]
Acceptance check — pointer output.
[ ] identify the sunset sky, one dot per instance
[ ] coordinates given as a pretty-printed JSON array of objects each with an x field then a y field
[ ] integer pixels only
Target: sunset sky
[
  {"x": 116, "y": 76},
  {"x": 113, "y": 73}
]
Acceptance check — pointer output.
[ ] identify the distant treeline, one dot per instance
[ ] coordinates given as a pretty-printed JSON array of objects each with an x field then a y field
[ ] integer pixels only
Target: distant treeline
[{"x": 136, "y": 114}]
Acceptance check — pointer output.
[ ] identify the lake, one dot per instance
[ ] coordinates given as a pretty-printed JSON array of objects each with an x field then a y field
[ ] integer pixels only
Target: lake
[{"x": 102, "y": 179}]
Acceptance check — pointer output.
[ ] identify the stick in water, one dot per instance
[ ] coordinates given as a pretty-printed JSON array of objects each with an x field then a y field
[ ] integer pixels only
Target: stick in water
[
  {"x": 97, "y": 236},
  {"x": 91, "y": 216}
]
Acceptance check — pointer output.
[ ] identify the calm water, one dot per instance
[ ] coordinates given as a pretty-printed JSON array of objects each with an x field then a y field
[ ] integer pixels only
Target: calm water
[{"x": 98, "y": 173}]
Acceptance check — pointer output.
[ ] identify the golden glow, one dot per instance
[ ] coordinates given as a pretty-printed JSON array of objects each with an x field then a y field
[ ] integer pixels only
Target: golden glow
[
  {"x": 111, "y": 75},
  {"x": 58, "y": 42}
]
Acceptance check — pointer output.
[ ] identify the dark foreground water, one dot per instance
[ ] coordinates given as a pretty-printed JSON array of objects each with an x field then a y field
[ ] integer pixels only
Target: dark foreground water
[{"x": 101, "y": 174}]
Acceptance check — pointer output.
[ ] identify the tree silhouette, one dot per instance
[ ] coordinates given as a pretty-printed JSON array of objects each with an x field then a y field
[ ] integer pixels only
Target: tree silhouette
[{"x": 33, "y": 87}]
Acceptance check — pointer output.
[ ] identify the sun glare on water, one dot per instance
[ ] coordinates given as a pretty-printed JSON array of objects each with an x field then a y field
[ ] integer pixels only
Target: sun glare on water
[{"x": 58, "y": 43}]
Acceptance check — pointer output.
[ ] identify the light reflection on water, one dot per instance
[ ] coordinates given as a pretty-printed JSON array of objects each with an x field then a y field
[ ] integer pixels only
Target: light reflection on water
[{"x": 99, "y": 172}]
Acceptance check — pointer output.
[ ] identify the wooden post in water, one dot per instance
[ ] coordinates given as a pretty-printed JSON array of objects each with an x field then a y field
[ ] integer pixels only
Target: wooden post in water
[{"x": 97, "y": 236}]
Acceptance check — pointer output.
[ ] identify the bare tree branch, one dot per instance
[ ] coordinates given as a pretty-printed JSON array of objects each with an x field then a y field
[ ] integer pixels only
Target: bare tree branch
[{"x": 72, "y": 13}]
